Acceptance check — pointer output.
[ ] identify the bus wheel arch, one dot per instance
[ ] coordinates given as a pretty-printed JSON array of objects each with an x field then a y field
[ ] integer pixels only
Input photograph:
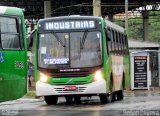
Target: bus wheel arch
[
  {"x": 111, "y": 95},
  {"x": 103, "y": 98}
]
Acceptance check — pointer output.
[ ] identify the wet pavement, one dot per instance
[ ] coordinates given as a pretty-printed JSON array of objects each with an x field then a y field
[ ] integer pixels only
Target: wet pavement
[{"x": 139, "y": 102}]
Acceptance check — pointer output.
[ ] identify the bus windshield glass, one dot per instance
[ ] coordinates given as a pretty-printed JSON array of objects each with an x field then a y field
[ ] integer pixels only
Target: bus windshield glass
[{"x": 70, "y": 50}]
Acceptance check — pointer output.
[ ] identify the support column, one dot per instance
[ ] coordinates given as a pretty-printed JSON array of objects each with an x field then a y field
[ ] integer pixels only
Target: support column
[
  {"x": 159, "y": 65},
  {"x": 145, "y": 15},
  {"x": 47, "y": 8},
  {"x": 126, "y": 15},
  {"x": 97, "y": 8}
]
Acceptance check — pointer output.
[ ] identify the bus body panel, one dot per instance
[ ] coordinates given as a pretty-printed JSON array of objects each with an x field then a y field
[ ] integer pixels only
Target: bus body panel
[
  {"x": 12, "y": 75},
  {"x": 94, "y": 88},
  {"x": 117, "y": 72},
  {"x": 13, "y": 63}
]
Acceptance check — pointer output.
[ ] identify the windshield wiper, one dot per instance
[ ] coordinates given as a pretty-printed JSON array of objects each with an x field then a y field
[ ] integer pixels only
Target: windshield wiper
[
  {"x": 58, "y": 39},
  {"x": 82, "y": 41}
]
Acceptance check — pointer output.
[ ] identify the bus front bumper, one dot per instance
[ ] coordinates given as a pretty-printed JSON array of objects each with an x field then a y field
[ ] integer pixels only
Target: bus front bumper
[{"x": 44, "y": 89}]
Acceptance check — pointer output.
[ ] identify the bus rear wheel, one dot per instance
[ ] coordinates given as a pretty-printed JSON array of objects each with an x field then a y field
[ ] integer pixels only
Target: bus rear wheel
[
  {"x": 51, "y": 100},
  {"x": 120, "y": 95},
  {"x": 68, "y": 99}
]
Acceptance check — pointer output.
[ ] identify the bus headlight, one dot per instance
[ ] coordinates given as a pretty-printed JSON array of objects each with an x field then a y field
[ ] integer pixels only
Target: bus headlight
[
  {"x": 43, "y": 78},
  {"x": 98, "y": 75}
]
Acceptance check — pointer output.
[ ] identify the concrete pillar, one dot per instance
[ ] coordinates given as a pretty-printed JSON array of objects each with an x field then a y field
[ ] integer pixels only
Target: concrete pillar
[
  {"x": 145, "y": 15},
  {"x": 47, "y": 8},
  {"x": 126, "y": 15},
  {"x": 96, "y": 7},
  {"x": 159, "y": 65}
]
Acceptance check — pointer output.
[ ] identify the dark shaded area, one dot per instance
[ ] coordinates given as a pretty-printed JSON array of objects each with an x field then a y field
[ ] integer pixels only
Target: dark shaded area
[{"x": 35, "y": 8}]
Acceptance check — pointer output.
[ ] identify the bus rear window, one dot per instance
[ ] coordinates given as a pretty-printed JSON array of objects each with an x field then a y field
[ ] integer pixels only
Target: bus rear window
[{"x": 9, "y": 33}]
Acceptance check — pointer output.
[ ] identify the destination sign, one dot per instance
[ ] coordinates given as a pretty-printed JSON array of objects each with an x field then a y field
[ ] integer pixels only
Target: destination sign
[{"x": 63, "y": 25}]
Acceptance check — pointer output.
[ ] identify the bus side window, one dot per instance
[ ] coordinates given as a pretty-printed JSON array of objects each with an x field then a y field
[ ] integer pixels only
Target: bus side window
[
  {"x": 108, "y": 40},
  {"x": 10, "y": 38},
  {"x": 123, "y": 44},
  {"x": 116, "y": 41},
  {"x": 113, "y": 41},
  {"x": 120, "y": 43},
  {"x": 20, "y": 29}
]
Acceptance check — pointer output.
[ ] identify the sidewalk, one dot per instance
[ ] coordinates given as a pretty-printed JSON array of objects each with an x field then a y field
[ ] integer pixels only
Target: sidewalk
[{"x": 152, "y": 92}]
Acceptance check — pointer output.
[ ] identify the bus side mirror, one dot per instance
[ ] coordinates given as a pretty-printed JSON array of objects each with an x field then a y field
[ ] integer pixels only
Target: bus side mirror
[{"x": 108, "y": 35}]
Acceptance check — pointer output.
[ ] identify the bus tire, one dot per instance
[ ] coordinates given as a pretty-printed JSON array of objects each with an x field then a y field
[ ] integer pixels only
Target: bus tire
[
  {"x": 103, "y": 98},
  {"x": 77, "y": 99},
  {"x": 111, "y": 97},
  {"x": 120, "y": 95},
  {"x": 51, "y": 100},
  {"x": 68, "y": 99}
]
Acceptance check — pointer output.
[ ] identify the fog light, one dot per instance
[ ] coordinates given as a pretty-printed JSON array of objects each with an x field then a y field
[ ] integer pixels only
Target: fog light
[
  {"x": 98, "y": 75},
  {"x": 43, "y": 78}
]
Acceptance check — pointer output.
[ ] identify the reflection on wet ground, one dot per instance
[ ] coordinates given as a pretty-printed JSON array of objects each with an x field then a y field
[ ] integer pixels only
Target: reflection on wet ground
[
  {"x": 151, "y": 92},
  {"x": 134, "y": 100}
]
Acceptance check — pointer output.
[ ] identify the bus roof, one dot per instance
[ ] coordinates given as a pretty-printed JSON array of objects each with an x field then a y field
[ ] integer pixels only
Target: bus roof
[
  {"x": 70, "y": 17},
  {"x": 114, "y": 26},
  {"x": 5, "y": 10}
]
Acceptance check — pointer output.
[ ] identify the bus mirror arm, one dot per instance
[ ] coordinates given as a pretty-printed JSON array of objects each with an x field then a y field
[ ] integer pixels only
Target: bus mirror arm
[
  {"x": 30, "y": 40},
  {"x": 29, "y": 43}
]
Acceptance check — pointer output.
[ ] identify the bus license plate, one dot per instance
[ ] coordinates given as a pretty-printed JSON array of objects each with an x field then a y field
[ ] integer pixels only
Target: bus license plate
[{"x": 70, "y": 88}]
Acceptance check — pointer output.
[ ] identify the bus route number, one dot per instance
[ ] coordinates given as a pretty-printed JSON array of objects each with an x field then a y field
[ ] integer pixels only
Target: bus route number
[{"x": 19, "y": 64}]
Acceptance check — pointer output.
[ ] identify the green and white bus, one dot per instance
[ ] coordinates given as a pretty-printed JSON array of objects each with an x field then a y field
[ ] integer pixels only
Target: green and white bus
[
  {"x": 76, "y": 56},
  {"x": 13, "y": 54}
]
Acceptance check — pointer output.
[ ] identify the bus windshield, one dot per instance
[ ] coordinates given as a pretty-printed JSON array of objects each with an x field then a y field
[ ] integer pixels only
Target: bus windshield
[{"x": 70, "y": 50}]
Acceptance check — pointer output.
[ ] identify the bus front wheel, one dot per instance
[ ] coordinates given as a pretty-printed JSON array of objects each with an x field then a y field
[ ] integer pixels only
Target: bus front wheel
[
  {"x": 68, "y": 99},
  {"x": 103, "y": 98},
  {"x": 77, "y": 99},
  {"x": 51, "y": 100}
]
